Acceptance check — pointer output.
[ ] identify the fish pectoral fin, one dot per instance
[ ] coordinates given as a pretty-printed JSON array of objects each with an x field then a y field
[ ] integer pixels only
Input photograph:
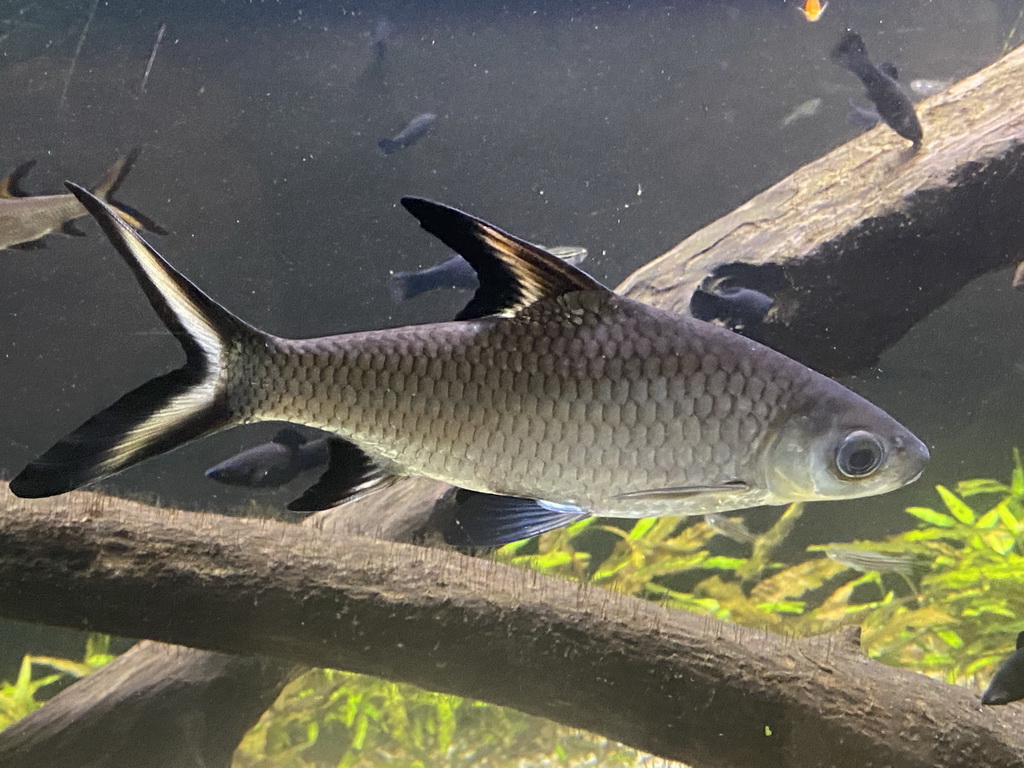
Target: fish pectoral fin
[
  {"x": 71, "y": 229},
  {"x": 489, "y": 520},
  {"x": 513, "y": 273},
  {"x": 350, "y": 474},
  {"x": 682, "y": 492},
  {"x": 30, "y": 245},
  {"x": 10, "y": 185}
]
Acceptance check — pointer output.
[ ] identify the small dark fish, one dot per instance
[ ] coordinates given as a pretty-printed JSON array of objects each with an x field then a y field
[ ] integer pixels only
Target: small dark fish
[
  {"x": 26, "y": 219},
  {"x": 732, "y": 306},
  {"x": 413, "y": 132},
  {"x": 456, "y": 272},
  {"x": 1008, "y": 683},
  {"x": 379, "y": 39},
  {"x": 883, "y": 87},
  {"x": 272, "y": 464}
]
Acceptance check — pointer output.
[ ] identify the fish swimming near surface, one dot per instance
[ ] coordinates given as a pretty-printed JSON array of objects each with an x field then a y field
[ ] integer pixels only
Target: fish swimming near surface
[
  {"x": 883, "y": 87},
  {"x": 273, "y": 464},
  {"x": 456, "y": 272},
  {"x": 813, "y": 9},
  {"x": 26, "y": 219},
  {"x": 549, "y": 399},
  {"x": 413, "y": 132},
  {"x": 1008, "y": 682}
]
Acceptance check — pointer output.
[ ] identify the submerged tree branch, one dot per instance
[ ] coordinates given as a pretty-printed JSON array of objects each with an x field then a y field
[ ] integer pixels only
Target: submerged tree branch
[
  {"x": 860, "y": 245},
  {"x": 678, "y": 685}
]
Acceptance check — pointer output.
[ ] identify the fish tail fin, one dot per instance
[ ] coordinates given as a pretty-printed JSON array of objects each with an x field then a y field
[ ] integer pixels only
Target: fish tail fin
[
  {"x": 388, "y": 147},
  {"x": 851, "y": 53},
  {"x": 167, "y": 411},
  {"x": 407, "y": 285},
  {"x": 110, "y": 183}
]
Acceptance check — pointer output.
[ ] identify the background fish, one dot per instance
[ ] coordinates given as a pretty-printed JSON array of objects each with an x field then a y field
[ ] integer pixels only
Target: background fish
[
  {"x": 413, "y": 132},
  {"x": 550, "y": 399},
  {"x": 883, "y": 88},
  {"x": 732, "y": 305},
  {"x": 379, "y": 39},
  {"x": 270, "y": 465},
  {"x": 1008, "y": 682},
  {"x": 456, "y": 272},
  {"x": 732, "y": 528},
  {"x": 866, "y": 560},
  {"x": 26, "y": 219}
]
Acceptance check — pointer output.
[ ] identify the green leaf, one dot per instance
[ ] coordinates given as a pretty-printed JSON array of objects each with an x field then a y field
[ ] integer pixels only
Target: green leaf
[
  {"x": 951, "y": 638},
  {"x": 980, "y": 486},
  {"x": 932, "y": 517},
  {"x": 956, "y": 505}
]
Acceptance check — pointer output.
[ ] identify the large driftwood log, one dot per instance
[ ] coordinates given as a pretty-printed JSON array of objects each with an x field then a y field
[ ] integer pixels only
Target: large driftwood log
[
  {"x": 169, "y": 706},
  {"x": 675, "y": 684},
  {"x": 862, "y": 244}
]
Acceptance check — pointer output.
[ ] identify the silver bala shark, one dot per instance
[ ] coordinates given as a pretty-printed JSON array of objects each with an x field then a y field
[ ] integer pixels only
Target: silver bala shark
[
  {"x": 26, "y": 219},
  {"x": 549, "y": 399}
]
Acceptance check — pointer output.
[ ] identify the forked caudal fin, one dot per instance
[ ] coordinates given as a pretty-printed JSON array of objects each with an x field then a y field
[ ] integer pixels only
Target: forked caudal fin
[
  {"x": 165, "y": 412},
  {"x": 110, "y": 183}
]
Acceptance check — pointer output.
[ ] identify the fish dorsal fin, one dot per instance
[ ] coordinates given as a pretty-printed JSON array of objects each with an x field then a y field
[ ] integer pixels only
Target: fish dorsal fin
[
  {"x": 10, "y": 185},
  {"x": 289, "y": 437},
  {"x": 513, "y": 273}
]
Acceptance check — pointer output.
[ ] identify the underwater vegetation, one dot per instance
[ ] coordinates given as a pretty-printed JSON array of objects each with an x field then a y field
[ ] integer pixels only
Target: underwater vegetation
[{"x": 954, "y": 615}]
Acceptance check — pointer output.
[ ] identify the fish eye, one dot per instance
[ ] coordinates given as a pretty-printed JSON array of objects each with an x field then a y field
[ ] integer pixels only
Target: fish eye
[{"x": 859, "y": 455}]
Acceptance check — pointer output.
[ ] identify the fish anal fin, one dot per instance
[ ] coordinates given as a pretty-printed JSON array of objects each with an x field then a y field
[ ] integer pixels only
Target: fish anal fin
[
  {"x": 513, "y": 273},
  {"x": 10, "y": 185},
  {"x": 488, "y": 520},
  {"x": 682, "y": 492},
  {"x": 350, "y": 474}
]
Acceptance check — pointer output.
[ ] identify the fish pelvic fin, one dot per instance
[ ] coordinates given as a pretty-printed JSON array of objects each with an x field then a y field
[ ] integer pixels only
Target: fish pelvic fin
[
  {"x": 513, "y": 273},
  {"x": 165, "y": 412},
  {"x": 10, "y": 185},
  {"x": 109, "y": 185}
]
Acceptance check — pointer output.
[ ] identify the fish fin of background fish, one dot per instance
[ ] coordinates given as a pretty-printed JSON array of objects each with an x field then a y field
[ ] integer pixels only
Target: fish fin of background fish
[
  {"x": 1007, "y": 685},
  {"x": 71, "y": 229},
  {"x": 30, "y": 245},
  {"x": 888, "y": 69},
  {"x": 851, "y": 53},
  {"x": 388, "y": 147},
  {"x": 682, "y": 492},
  {"x": 289, "y": 437},
  {"x": 1020, "y": 640},
  {"x": 406, "y": 285},
  {"x": 350, "y": 474},
  {"x": 513, "y": 273},
  {"x": 110, "y": 183},
  {"x": 488, "y": 520},
  {"x": 10, "y": 185},
  {"x": 164, "y": 413}
]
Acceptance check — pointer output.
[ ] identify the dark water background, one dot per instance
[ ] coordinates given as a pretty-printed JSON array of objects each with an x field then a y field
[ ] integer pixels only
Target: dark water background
[{"x": 619, "y": 127}]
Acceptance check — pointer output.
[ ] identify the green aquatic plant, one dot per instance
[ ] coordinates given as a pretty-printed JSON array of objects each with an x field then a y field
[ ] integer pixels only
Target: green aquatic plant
[{"x": 22, "y": 697}]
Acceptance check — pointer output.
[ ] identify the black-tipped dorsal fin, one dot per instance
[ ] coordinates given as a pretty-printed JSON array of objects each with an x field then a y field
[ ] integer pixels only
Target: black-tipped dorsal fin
[
  {"x": 10, "y": 185},
  {"x": 513, "y": 273}
]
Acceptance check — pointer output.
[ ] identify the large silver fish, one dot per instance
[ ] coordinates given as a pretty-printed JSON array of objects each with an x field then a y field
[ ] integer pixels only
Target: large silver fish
[
  {"x": 549, "y": 389},
  {"x": 26, "y": 219}
]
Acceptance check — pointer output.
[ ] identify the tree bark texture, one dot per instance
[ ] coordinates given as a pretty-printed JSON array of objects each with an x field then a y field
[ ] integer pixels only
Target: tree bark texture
[
  {"x": 678, "y": 685},
  {"x": 860, "y": 245},
  {"x": 169, "y": 706}
]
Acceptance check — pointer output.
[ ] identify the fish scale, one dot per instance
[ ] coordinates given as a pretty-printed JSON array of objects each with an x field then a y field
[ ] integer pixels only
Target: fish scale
[{"x": 549, "y": 399}]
